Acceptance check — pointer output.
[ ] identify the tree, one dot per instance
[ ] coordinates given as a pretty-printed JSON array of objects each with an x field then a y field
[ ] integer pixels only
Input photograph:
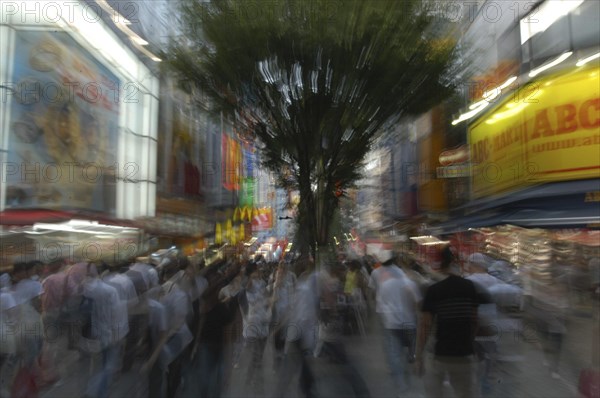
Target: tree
[{"x": 314, "y": 81}]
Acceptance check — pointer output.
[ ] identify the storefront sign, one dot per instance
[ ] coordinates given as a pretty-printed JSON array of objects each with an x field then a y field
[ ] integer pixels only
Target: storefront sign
[
  {"x": 547, "y": 131},
  {"x": 262, "y": 219},
  {"x": 454, "y": 156}
]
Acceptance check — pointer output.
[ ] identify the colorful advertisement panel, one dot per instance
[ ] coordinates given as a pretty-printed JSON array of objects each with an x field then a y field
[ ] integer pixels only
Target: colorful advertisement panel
[
  {"x": 248, "y": 181},
  {"x": 63, "y": 126},
  {"x": 547, "y": 131},
  {"x": 231, "y": 163}
]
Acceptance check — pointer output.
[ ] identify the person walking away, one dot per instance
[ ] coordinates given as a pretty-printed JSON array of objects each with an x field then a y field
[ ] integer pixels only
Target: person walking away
[
  {"x": 115, "y": 277},
  {"x": 9, "y": 321},
  {"x": 451, "y": 304},
  {"x": 26, "y": 293},
  {"x": 256, "y": 326},
  {"x": 178, "y": 306},
  {"x": 487, "y": 315},
  {"x": 397, "y": 299},
  {"x": 355, "y": 285},
  {"x": 52, "y": 301},
  {"x": 301, "y": 333},
  {"x": 282, "y": 283},
  {"x": 331, "y": 327},
  {"x": 108, "y": 328}
]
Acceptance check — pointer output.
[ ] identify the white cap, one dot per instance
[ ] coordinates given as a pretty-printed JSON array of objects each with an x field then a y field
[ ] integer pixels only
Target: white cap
[
  {"x": 384, "y": 255},
  {"x": 478, "y": 259}
]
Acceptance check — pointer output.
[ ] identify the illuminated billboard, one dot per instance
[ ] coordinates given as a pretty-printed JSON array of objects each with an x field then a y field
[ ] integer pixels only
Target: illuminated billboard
[{"x": 547, "y": 131}]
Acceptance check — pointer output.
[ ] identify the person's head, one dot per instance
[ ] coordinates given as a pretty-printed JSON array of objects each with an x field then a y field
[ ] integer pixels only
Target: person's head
[
  {"x": 91, "y": 271},
  {"x": 386, "y": 257},
  {"x": 252, "y": 271},
  {"x": 353, "y": 265},
  {"x": 304, "y": 264},
  {"x": 477, "y": 263},
  {"x": 447, "y": 258},
  {"x": 55, "y": 265},
  {"x": 35, "y": 267},
  {"x": 335, "y": 268},
  {"x": 19, "y": 271}
]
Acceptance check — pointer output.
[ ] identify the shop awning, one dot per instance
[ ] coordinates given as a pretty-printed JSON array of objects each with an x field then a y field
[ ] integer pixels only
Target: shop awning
[
  {"x": 460, "y": 224},
  {"x": 31, "y": 216},
  {"x": 582, "y": 217},
  {"x": 23, "y": 217}
]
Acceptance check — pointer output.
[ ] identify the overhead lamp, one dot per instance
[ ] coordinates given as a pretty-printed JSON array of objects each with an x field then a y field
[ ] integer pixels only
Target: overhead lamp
[
  {"x": 470, "y": 114},
  {"x": 513, "y": 110},
  {"x": 550, "y": 64},
  {"x": 584, "y": 61},
  {"x": 139, "y": 40},
  {"x": 493, "y": 93},
  {"x": 477, "y": 104}
]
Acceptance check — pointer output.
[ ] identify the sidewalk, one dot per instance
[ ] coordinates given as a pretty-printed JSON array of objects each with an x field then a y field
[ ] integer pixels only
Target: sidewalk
[{"x": 519, "y": 372}]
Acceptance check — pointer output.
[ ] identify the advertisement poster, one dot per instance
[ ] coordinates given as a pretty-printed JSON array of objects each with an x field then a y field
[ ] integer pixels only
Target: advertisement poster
[{"x": 63, "y": 126}]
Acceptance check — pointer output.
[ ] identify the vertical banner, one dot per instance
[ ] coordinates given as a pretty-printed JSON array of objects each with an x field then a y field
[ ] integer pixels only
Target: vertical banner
[
  {"x": 231, "y": 162},
  {"x": 248, "y": 181}
]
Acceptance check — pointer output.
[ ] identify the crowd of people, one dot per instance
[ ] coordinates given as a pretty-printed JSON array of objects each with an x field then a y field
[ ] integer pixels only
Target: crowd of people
[{"x": 178, "y": 316}]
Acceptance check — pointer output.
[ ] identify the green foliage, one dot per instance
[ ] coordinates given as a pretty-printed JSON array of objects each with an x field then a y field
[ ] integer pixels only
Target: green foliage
[{"x": 314, "y": 80}]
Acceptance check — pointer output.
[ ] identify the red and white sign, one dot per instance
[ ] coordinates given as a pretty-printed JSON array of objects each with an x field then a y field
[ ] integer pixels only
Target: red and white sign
[
  {"x": 263, "y": 219},
  {"x": 454, "y": 156}
]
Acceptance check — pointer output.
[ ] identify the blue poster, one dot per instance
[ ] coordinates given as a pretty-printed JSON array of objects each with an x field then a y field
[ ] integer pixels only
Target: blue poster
[{"x": 63, "y": 126}]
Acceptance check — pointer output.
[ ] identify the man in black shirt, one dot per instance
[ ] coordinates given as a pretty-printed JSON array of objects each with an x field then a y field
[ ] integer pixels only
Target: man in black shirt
[{"x": 452, "y": 305}]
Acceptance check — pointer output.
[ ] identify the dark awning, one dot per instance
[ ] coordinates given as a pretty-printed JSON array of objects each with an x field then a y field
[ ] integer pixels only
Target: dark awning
[{"x": 585, "y": 216}]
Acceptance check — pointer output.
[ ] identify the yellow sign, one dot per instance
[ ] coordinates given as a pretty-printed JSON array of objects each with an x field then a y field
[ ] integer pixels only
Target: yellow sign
[{"x": 548, "y": 130}]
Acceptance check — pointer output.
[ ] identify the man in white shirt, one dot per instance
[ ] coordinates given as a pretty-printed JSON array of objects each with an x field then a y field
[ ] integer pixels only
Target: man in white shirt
[
  {"x": 109, "y": 326},
  {"x": 397, "y": 299},
  {"x": 115, "y": 277},
  {"x": 178, "y": 306}
]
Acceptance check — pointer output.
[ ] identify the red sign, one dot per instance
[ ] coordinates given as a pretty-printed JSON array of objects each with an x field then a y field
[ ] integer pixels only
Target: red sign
[
  {"x": 454, "y": 156},
  {"x": 263, "y": 219}
]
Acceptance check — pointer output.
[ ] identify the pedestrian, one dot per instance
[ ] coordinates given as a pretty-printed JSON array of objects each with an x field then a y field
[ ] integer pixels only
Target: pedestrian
[
  {"x": 331, "y": 323},
  {"x": 107, "y": 331},
  {"x": 355, "y": 285},
  {"x": 301, "y": 333},
  {"x": 27, "y": 294},
  {"x": 52, "y": 301},
  {"x": 451, "y": 305},
  {"x": 282, "y": 283},
  {"x": 115, "y": 277},
  {"x": 487, "y": 315},
  {"x": 9, "y": 318},
  {"x": 178, "y": 305},
  {"x": 256, "y": 326},
  {"x": 218, "y": 311},
  {"x": 397, "y": 299}
]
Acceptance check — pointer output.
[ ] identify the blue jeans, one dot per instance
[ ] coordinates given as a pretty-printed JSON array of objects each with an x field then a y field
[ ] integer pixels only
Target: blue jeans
[
  {"x": 99, "y": 383},
  {"x": 395, "y": 343}
]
